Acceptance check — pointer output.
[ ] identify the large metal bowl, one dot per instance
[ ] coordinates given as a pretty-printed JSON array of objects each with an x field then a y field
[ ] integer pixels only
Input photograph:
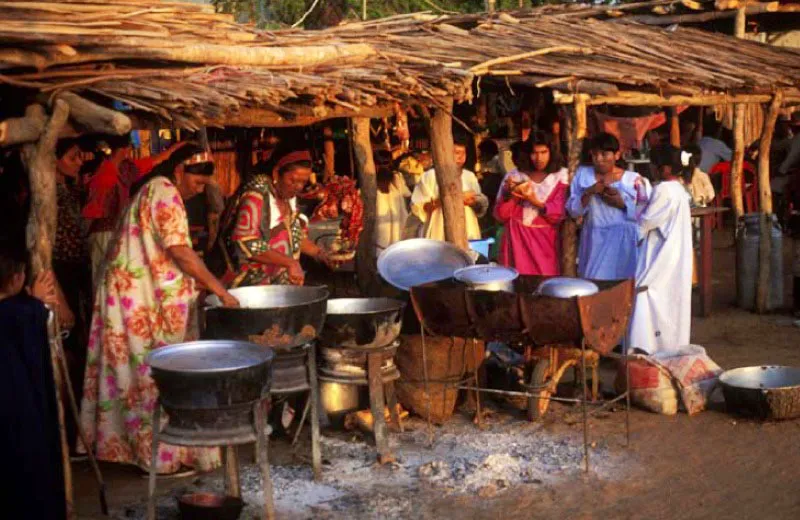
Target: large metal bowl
[
  {"x": 362, "y": 323},
  {"x": 418, "y": 261},
  {"x": 276, "y": 316},
  {"x": 766, "y": 392}
]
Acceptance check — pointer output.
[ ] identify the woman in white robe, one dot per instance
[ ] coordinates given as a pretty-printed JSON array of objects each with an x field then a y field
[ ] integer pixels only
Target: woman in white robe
[
  {"x": 661, "y": 318},
  {"x": 608, "y": 199}
]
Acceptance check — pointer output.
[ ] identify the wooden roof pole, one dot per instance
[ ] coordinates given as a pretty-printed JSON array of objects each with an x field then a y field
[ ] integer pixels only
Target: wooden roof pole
[
  {"x": 40, "y": 160},
  {"x": 448, "y": 176},
  {"x": 765, "y": 203},
  {"x": 737, "y": 167},
  {"x": 328, "y": 153},
  {"x": 576, "y": 130},
  {"x": 366, "y": 264}
]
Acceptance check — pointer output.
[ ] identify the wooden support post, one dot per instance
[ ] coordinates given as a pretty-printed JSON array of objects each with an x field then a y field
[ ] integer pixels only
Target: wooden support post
[
  {"x": 328, "y": 153},
  {"x": 366, "y": 266},
  {"x": 448, "y": 176},
  {"x": 40, "y": 159},
  {"x": 765, "y": 204},
  {"x": 576, "y": 127},
  {"x": 737, "y": 168},
  {"x": 740, "y": 24},
  {"x": 674, "y": 127}
]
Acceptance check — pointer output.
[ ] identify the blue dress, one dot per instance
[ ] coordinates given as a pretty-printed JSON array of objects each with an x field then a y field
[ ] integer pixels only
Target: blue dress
[{"x": 609, "y": 237}]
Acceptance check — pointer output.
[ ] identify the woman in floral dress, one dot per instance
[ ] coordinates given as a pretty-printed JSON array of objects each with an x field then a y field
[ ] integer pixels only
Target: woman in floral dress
[{"x": 145, "y": 301}]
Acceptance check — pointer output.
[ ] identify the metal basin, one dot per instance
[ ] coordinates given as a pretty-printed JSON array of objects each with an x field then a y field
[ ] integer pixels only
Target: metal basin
[
  {"x": 766, "y": 392},
  {"x": 276, "y": 316},
  {"x": 210, "y": 385},
  {"x": 362, "y": 323}
]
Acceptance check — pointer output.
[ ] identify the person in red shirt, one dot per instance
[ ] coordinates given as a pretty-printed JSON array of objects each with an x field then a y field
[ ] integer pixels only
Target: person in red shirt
[{"x": 109, "y": 193}]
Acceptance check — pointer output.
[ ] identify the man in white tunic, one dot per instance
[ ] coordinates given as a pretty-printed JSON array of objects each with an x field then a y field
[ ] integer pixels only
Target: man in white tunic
[
  {"x": 661, "y": 319},
  {"x": 426, "y": 205}
]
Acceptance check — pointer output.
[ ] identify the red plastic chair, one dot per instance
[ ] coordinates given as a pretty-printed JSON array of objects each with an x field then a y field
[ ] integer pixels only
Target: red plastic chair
[{"x": 749, "y": 190}]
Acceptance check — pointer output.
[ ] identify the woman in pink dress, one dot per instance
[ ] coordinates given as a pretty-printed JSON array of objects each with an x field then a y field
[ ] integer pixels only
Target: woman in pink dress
[{"x": 530, "y": 204}]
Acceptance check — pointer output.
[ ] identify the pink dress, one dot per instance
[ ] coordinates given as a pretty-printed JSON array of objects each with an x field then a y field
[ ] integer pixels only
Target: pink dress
[{"x": 530, "y": 243}]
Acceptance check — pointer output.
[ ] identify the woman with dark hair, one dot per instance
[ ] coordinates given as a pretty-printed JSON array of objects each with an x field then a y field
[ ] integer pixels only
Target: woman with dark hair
[
  {"x": 391, "y": 211},
  {"x": 661, "y": 318},
  {"x": 145, "y": 300},
  {"x": 262, "y": 233},
  {"x": 530, "y": 204}
]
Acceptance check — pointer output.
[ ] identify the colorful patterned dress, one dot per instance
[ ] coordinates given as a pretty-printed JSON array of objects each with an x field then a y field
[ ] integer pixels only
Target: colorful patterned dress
[
  {"x": 144, "y": 302},
  {"x": 254, "y": 223}
]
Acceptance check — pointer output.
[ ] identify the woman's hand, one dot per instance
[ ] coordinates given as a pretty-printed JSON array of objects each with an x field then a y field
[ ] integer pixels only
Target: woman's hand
[
  {"x": 229, "y": 300},
  {"x": 296, "y": 274},
  {"x": 44, "y": 288},
  {"x": 431, "y": 206},
  {"x": 612, "y": 197}
]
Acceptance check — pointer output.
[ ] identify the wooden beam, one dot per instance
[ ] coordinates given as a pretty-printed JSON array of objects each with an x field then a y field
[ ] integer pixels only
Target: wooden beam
[
  {"x": 628, "y": 98},
  {"x": 647, "y": 19},
  {"x": 576, "y": 127},
  {"x": 740, "y": 24},
  {"x": 366, "y": 264},
  {"x": 448, "y": 176},
  {"x": 765, "y": 203},
  {"x": 262, "y": 117},
  {"x": 674, "y": 127},
  {"x": 23, "y": 129},
  {"x": 95, "y": 118}
]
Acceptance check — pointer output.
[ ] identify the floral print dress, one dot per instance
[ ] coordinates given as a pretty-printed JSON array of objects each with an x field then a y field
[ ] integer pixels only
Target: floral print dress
[{"x": 144, "y": 302}]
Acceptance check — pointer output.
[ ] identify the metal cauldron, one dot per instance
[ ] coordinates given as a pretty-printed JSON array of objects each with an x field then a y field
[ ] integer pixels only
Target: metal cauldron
[
  {"x": 276, "y": 316},
  {"x": 766, "y": 392},
  {"x": 362, "y": 323},
  {"x": 210, "y": 386}
]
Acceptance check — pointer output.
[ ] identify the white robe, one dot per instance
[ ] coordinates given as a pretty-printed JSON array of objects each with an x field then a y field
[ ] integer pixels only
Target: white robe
[
  {"x": 662, "y": 315},
  {"x": 391, "y": 213},
  {"x": 427, "y": 190}
]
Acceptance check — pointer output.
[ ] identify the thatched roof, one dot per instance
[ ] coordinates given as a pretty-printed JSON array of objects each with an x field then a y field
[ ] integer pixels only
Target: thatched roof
[{"x": 182, "y": 62}]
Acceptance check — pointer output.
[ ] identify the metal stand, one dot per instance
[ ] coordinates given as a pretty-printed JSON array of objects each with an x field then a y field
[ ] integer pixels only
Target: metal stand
[
  {"x": 312, "y": 405},
  {"x": 538, "y": 394},
  {"x": 259, "y": 436},
  {"x": 381, "y": 395}
]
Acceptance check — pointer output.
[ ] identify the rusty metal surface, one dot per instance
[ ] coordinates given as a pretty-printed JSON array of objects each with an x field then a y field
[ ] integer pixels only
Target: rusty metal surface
[
  {"x": 604, "y": 316},
  {"x": 442, "y": 307},
  {"x": 550, "y": 320},
  {"x": 495, "y": 315}
]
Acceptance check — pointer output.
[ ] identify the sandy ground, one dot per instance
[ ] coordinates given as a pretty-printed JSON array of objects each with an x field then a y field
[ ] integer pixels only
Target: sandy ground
[{"x": 712, "y": 465}]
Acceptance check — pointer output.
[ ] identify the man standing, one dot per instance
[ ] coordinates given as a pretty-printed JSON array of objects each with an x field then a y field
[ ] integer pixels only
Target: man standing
[
  {"x": 608, "y": 199},
  {"x": 662, "y": 311},
  {"x": 427, "y": 205}
]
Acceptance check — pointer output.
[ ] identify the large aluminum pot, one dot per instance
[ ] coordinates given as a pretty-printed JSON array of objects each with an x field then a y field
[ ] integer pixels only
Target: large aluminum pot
[
  {"x": 362, "y": 323},
  {"x": 206, "y": 375},
  {"x": 276, "y": 316},
  {"x": 766, "y": 392},
  {"x": 488, "y": 277}
]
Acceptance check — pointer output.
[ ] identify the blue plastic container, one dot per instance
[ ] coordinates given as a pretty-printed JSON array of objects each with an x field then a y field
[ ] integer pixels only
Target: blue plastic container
[{"x": 481, "y": 246}]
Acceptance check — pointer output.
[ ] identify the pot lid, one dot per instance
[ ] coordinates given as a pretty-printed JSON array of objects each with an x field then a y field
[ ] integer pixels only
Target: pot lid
[
  {"x": 480, "y": 274},
  {"x": 565, "y": 287},
  {"x": 208, "y": 356},
  {"x": 418, "y": 261}
]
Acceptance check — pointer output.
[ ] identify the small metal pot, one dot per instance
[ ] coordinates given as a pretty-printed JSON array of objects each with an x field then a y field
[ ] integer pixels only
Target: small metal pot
[
  {"x": 489, "y": 277},
  {"x": 766, "y": 392}
]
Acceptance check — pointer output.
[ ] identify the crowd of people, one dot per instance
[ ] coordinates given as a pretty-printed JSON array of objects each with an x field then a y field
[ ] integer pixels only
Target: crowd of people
[{"x": 129, "y": 267}]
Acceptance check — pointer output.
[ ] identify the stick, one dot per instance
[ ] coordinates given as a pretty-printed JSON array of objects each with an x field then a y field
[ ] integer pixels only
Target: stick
[
  {"x": 73, "y": 404},
  {"x": 765, "y": 203},
  {"x": 23, "y": 129},
  {"x": 94, "y": 117}
]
